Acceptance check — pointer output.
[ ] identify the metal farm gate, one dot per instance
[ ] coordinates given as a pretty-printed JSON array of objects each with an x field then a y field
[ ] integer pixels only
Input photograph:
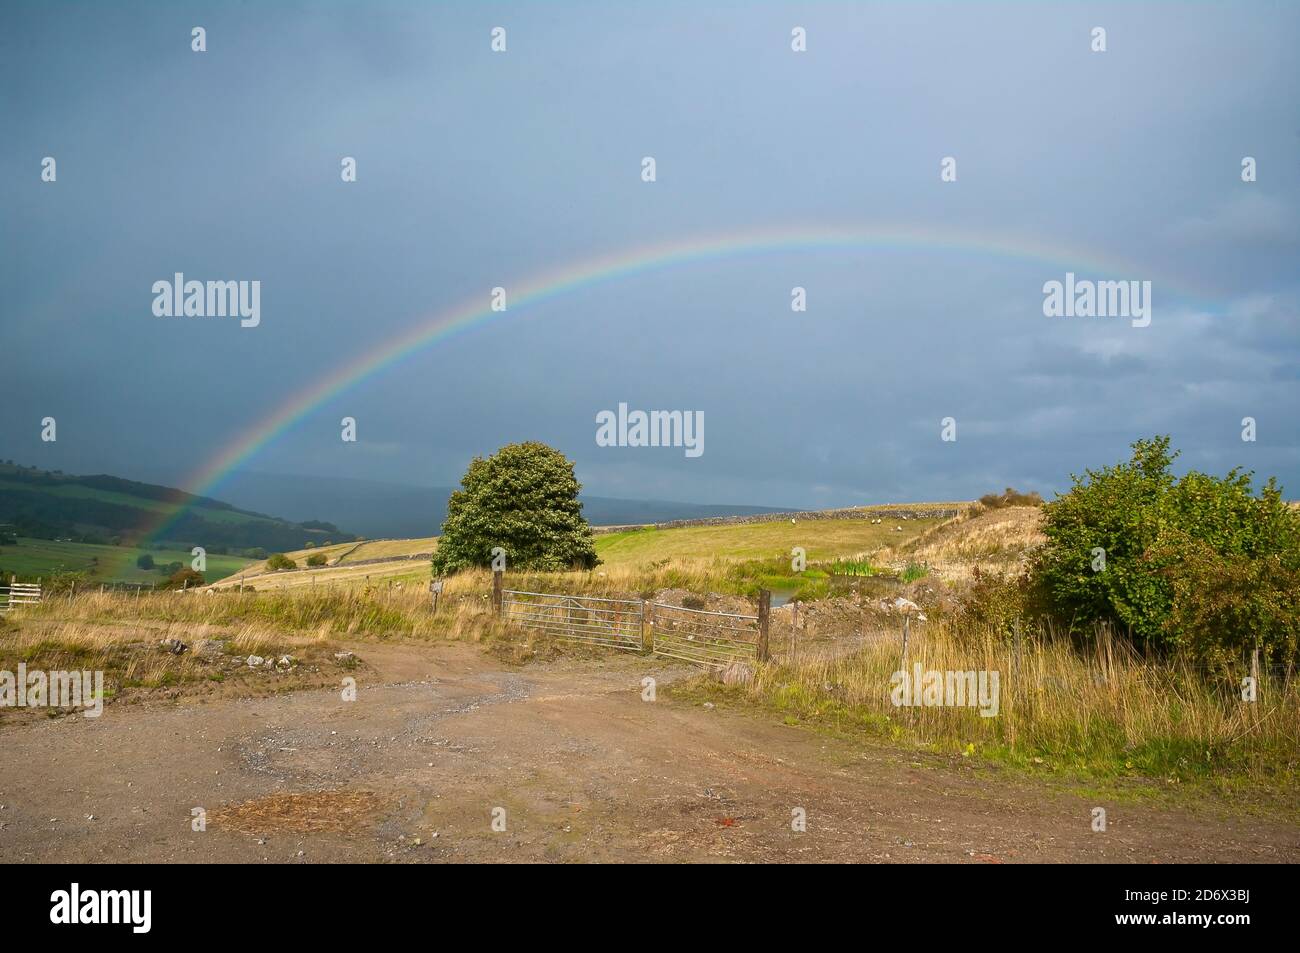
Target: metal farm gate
[
  {"x": 706, "y": 638},
  {"x": 693, "y": 635},
  {"x": 614, "y": 623}
]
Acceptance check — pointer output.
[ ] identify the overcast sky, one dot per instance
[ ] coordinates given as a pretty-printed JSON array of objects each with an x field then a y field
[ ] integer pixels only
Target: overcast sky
[{"x": 479, "y": 169}]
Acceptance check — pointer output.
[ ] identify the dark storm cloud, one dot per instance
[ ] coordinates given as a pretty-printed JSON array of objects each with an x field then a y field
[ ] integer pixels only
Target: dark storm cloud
[{"x": 477, "y": 170}]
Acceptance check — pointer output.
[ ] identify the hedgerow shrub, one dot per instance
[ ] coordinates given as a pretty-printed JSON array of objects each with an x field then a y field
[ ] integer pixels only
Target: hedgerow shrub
[
  {"x": 1199, "y": 564},
  {"x": 1010, "y": 497}
]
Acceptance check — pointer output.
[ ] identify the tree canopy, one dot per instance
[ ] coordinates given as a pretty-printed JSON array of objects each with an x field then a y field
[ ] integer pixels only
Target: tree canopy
[{"x": 523, "y": 499}]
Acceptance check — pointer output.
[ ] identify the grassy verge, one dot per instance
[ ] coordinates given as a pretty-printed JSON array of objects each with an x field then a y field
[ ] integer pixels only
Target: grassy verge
[
  {"x": 1100, "y": 718},
  {"x": 134, "y": 664},
  {"x": 119, "y": 634}
]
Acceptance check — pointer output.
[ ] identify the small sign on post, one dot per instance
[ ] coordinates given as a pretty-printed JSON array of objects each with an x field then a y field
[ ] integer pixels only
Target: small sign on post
[{"x": 435, "y": 589}]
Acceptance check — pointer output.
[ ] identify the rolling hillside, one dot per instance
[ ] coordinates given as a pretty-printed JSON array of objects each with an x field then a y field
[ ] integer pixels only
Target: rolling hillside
[
  {"x": 108, "y": 510},
  {"x": 97, "y": 563},
  {"x": 821, "y": 539},
  {"x": 993, "y": 539},
  {"x": 405, "y": 560},
  {"x": 390, "y": 510}
]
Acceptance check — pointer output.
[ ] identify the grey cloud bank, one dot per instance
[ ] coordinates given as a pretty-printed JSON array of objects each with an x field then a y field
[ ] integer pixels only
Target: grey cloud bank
[{"x": 477, "y": 170}]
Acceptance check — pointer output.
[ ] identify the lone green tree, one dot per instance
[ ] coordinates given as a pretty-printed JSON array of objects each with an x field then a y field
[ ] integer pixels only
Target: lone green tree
[{"x": 523, "y": 498}]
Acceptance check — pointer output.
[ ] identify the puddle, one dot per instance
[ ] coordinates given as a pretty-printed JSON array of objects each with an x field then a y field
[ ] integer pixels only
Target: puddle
[{"x": 781, "y": 597}]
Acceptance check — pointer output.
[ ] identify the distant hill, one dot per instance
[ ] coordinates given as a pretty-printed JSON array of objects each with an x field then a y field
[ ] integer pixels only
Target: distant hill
[
  {"x": 397, "y": 511},
  {"x": 105, "y": 509}
]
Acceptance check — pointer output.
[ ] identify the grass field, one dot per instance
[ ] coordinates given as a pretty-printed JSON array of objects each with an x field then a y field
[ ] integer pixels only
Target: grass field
[
  {"x": 340, "y": 556},
  {"x": 44, "y": 557},
  {"x": 822, "y": 539},
  {"x": 414, "y": 571},
  {"x": 625, "y": 550}
]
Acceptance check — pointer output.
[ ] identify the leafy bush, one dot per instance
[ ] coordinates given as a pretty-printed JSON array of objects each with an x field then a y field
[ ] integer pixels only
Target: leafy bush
[
  {"x": 995, "y": 600},
  {"x": 524, "y": 498},
  {"x": 1010, "y": 497},
  {"x": 144, "y": 561},
  {"x": 1200, "y": 563},
  {"x": 1224, "y": 604},
  {"x": 280, "y": 561},
  {"x": 183, "y": 579},
  {"x": 316, "y": 559}
]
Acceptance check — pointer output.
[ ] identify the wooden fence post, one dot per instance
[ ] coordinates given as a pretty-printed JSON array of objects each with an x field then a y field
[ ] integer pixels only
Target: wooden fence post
[
  {"x": 498, "y": 600},
  {"x": 907, "y": 631},
  {"x": 794, "y": 628},
  {"x": 764, "y": 615},
  {"x": 647, "y": 626}
]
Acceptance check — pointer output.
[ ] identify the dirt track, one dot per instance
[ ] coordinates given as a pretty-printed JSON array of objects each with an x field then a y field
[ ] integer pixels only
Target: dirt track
[{"x": 584, "y": 769}]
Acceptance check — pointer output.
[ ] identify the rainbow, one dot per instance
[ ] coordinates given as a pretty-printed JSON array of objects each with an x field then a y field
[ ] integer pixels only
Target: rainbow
[{"x": 623, "y": 264}]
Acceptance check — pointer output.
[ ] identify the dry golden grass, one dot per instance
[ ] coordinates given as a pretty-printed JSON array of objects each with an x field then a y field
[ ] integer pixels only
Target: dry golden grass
[
  {"x": 281, "y": 619},
  {"x": 342, "y": 554},
  {"x": 1098, "y": 712},
  {"x": 405, "y": 572},
  {"x": 821, "y": 539},
  {"x": 999, "y": 539},
  {"x": 389, "y": 548},
  {"x": 130, "y": 654},
  {"x": 119, "y": 633},
  {"x": 341, "y": 811}
]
